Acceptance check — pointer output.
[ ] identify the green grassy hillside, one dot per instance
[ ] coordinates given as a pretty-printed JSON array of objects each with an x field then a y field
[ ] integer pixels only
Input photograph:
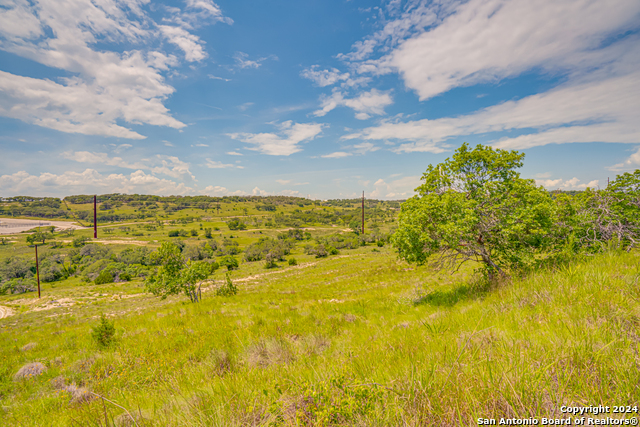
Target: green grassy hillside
[{"x": 353, "y": 339}]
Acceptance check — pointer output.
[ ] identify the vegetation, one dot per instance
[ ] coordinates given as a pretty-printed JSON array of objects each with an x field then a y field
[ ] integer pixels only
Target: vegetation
[
  {"x": 339, "y": 331},
  {"x": 475, "y": 207},
  {"x": 104, "y": 333}
]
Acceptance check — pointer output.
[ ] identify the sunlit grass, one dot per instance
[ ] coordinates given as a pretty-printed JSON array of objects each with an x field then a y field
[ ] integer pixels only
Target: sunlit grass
[{"x": 359, "y": 339}]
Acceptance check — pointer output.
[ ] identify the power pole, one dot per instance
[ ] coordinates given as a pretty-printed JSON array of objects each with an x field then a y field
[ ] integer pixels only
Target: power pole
[
  {"x": 37, "y": 271},
  {"x": 363, "y": 212},
  {"x": 95, "y": 217}
]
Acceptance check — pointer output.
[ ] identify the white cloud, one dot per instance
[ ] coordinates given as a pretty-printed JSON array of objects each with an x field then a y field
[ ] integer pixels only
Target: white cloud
[
  {"x": 364, "y": 148},
  {"x": 211, "y": 76},
  {"x": 258, "y": 192},
  {"x": 399, "y": 189},
  {"x": 418, "y": 15},
  {"x": 571, "y": 184},
  {"x": 216, "y": 190},
  {"x": 243, "y": 61},
  {"x": 245, "y": 106},
  {"x": 200, "y": 145},
  {"x": 336, "y": 155},
  {"x": 630, "y": 164},
  {"x": 89, "y": 181},
  {"x": 588, "y": 111},
  {"x": 285, "y": 144},
  {"x": 323, "y": 78},
  {"x": 283, "y": 181},
  {"x": 159, "y": 164},
  {"x": 365, "y": 105},
  {"x": 487, "y": 40},
  {"x": 102, "y": 158},
  {"x": 219, "y": 165},
  {"x": 104, "y": 90},
  {"x": 190, "y": 44},
  {"x": 167, "y": 143},
  {"x": 234, "y": 153}
]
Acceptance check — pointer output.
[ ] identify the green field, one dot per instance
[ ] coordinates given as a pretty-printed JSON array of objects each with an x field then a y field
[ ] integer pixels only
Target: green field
[{"x": 355, "y": 338}]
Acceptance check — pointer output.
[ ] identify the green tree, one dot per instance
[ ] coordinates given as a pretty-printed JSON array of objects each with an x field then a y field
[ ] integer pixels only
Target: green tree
[
  {"x": 176, "y": 276},
  {"x": 475, "y": 206},
  {"x": 595, "y": 219},
  {"x": 39, "y": 236}
]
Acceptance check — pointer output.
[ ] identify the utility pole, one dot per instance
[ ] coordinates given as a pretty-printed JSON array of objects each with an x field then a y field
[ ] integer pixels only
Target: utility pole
[
  {"x": 95, "y": 217},
  {"x": 37, "y": 271},
  {"x": 363, "y": 212}
]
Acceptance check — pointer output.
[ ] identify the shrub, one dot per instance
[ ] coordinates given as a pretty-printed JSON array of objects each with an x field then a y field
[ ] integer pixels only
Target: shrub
[
  {"x": 173, "y": 233},
  {"x": 228, "y": 289},
  {"x": 236, "y": 224},
  {"x": 104, "y": 333},
  {"x": 194, "y": 232},
  {"x": 380, "y": 243},
  {"x": 207, "y": 233},
  {"x": 270, "y": 262},
  {"x": 79, "y": 241},
  {"x": 293, "y": 261},
  {"x": 105, "y": 276},
  {"x": 18, "y": 286},
  {"x": 230, "y": 262}
]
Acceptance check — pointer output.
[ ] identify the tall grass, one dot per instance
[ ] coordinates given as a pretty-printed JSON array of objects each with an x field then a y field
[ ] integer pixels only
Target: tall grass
[{"x": 358, "y": 340}]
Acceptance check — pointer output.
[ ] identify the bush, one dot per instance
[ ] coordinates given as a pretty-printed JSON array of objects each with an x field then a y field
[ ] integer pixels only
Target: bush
[
  {"x": 79, "y": 241},
  {"x": 194, "y": 232},
  {"x": 293, "y": 261},
  {"x": 104, "y": 333},
  {"x": 270, "y": 262},
  {"x": 18, "y": 286},
  {"x": 236, "y": 224},
  {"x": 105, "y": 276},
  {"x": 380, "y": 243},
  {"x": 173, "y": 233},
  {"x": 267, "y": 247},
  {"x": 230, "y": 262},
  {"x": 228, "y": 289}
]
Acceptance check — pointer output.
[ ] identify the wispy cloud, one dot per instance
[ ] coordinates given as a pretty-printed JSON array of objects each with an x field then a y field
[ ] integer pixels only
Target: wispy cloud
[
  {"x": 283, "y": 144},
  {"x": 243, "y": 61},
  {"x": 631, "y": 163},
  {"x": 158, "y": 165},
  {"x": 570, "y": 184},
  {"x": 336, "y": 155},
  {"x": 366, "y": 104},
  {"x": 211, "y": 76},
  {"x": 211, "y": 164}
]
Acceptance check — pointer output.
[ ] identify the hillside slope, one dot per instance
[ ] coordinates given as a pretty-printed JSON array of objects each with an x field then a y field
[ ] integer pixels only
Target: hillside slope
[{"x": 361, "y": 339}]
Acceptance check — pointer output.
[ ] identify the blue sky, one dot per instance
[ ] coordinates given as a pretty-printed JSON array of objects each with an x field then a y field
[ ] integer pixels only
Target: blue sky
[{"x": 320, "y": 99}]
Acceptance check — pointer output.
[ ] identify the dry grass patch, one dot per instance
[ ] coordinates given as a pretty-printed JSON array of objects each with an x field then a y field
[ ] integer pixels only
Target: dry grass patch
[
  {"x": 30, "y": 370},
  {"x": 29, "y": 346},
  {"x": 269, "y": 352}
]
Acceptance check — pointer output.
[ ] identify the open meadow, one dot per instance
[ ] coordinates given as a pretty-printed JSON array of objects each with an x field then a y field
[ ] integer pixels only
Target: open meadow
[{"x": 351, "y": 336}]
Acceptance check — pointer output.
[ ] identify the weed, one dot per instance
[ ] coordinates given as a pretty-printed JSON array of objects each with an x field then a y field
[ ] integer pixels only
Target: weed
[
  {"x": 228, "y": 289},
  {"x": 104, "y": 333}
]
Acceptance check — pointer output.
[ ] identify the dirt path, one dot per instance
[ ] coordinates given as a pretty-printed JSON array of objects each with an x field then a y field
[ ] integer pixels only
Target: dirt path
[
  {"x": 260, "y": 275},
  {"x": 120, "y": 242},
  {"x": 5, "y": 312}
]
